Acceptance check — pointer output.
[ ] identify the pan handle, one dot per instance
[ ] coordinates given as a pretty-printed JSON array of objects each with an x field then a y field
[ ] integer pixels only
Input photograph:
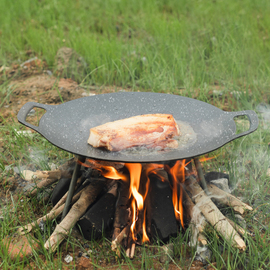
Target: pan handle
[
  {"x": 253, "y": 120},
  {"x": 26, "y": 108}
]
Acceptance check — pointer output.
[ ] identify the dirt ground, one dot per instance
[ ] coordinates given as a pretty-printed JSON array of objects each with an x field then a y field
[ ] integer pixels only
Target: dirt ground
[{"x": 34, "y": 82}]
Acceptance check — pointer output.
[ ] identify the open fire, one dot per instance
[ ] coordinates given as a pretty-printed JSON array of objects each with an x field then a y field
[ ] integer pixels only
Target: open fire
[
  {"x": 138, "y": 209},
  {"x": 149, "y": 200},
  {"x": 144, "y": 200}
]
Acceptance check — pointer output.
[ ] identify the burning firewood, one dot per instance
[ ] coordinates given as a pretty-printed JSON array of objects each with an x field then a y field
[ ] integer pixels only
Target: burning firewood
[
  {"x": 101, "y": 164},
  {"x": 88, "y": 196},
  {"x": 121, "y": 217},
  {"x": 153, "y": 200},
  {"x": 98, "y": 218}
]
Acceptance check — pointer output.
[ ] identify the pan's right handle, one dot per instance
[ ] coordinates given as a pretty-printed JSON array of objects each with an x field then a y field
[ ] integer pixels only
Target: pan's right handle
[
  {"x": 26, "y": 108},
  {"x": 253, "y": 120}
]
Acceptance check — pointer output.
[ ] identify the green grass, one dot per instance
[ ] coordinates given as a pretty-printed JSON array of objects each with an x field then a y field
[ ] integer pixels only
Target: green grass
[
  {"x": 174, "y": 46},
  {"x": 156, "y": 45}
]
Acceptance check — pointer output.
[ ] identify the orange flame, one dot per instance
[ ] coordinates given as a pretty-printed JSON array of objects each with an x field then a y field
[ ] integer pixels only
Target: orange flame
[
  {"x": 203, "y": 159},
  {"x": 145, "y": 237},
  {"x": 107, "y": 171},
  {"x": 137, "y": 204},
  {"x": 112, "y": 173},
  {"x": 177, "y": 173}
]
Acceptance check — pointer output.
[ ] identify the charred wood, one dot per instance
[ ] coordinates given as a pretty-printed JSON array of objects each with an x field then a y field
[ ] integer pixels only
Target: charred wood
[
  {"x": 99, "y": 218},
  {"x": 160, "y": 210},
  {"x": 60, "y": 190},
  {"x": 121, "y": 212}
]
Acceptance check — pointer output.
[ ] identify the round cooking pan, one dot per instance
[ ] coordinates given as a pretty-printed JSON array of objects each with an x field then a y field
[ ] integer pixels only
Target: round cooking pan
[{"x": 67, "y": 125}]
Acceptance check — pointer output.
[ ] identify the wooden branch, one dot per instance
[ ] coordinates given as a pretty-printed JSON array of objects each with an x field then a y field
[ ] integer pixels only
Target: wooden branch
[
  {"x": 100, "y": 164},
  {"x": 55, "y": 212},
  {"x": 129, "y": 244},
  {"x": 117, "y": 241},
  {"x": 87, "y": 197},
  {"x": 47, "y": 178},
  {"x": 202, "y": 239},
  {"x": 213, "y": 215},
  {"x": 228, "y": 199},
  {"x": 132, "y": 251},
  {"x": 121, "y": 212},
  {"x": 50, "y": 175},
  {"x": 196, "y": 220}
]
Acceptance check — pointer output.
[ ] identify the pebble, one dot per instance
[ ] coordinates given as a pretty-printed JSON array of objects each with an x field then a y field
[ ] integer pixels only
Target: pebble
[
  {"x": 68, "y": 259},
  {"x": 217, "y": 93},
  {"x": 42, "y": 225},
  {"x": 31, "y": 113},
  {"x": 222, "y": 184},
  {"x": 203, "y": 254}
]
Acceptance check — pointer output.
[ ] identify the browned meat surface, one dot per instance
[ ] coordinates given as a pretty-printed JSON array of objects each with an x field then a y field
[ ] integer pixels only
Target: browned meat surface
[{"x": 149, "y": 130}]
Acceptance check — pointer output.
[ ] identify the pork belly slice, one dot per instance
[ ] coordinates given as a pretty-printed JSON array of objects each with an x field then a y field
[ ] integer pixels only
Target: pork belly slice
[{"x": 149, "y": 130}]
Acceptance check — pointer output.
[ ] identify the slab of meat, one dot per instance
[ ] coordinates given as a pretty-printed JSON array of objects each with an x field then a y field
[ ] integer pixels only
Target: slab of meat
[{"x": 149, "y": 130}]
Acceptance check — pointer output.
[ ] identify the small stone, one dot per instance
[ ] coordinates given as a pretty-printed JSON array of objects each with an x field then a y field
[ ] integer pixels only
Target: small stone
[
  {"x": 44, "y": 194},
  {"x": 203, "y": 254},
  {"x": 29, "y": 187},
  {"x": 215, "y": 175},
  {"x": 222, "y": 184},
  {"x": 33, "y": 62},
  {"x": 49, "y": 72},
  {"x": 68, "y": 259},
  {"x": 85, "y": 254},
  {"x": 166, "y": 253},
  {"x": 217, "y": 93},
  {"x": 31, "y": 113},
  {"x": 42, "y": 225}
]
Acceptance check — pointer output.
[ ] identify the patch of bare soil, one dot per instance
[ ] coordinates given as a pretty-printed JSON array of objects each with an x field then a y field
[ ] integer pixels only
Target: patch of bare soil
[{"x": 42, "y": 88}]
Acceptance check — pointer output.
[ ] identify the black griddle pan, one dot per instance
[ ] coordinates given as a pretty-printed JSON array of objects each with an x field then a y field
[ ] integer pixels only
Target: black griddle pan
[{"x": 67, "y": 125}]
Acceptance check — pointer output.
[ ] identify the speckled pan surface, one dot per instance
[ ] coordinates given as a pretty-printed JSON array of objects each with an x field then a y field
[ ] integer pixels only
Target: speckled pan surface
[{"x": 67, "y": 125}]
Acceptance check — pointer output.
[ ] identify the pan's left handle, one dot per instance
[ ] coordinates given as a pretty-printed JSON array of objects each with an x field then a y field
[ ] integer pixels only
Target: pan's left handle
[
  {"x": 26, "y": 108},
  {"x": 253, "y": 120}
]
